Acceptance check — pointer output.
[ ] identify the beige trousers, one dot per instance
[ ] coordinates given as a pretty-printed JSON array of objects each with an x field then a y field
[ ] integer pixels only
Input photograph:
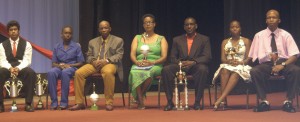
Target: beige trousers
[{"x": 108, "y": 75}]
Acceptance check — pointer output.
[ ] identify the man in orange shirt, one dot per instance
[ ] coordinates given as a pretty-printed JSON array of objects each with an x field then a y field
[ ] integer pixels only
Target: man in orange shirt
[{"x": 193, "y": 50}]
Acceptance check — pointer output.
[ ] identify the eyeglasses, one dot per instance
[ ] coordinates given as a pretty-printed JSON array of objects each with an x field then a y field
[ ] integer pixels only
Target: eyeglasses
[
  {"x": 148, "y": 23},
  {"x": 191, "y": 24}
]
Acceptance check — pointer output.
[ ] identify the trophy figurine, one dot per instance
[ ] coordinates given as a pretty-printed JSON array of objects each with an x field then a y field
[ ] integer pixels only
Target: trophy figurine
[
  {"x": 145, "y": 48},
  {"x": 94, "y": 98},
  {"x": 13, "y": 87},
  {"x": 231, "y": 51},
  {"x": 40, "y": 88},
  {"x": 274, "y": 57},
  {"x": 181, "y": 80}
]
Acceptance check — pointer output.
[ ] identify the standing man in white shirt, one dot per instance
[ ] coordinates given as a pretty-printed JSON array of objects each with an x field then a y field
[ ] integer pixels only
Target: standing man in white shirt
[{"x": 15, "y": 59}]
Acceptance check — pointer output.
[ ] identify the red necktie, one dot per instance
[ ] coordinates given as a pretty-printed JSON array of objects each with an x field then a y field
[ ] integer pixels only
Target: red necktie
[{"x": 14, "y": 51}]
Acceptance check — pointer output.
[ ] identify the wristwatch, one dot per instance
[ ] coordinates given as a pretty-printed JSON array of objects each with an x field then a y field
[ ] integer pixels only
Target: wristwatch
[{"x": 283, "y": 64}]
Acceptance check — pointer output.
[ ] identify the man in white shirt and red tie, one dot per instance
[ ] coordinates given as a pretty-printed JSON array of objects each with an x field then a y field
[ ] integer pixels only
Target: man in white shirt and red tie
[
  {"x": 15, "y": 59},
  {"x": 276, "y": 43}
]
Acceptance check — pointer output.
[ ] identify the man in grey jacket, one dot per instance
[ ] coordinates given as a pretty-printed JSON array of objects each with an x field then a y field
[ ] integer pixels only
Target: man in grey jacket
[{"x": 105, "y": 57}]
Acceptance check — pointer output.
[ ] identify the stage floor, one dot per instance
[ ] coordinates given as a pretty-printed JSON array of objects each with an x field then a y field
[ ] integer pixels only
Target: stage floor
[{"x": 236, "y": 112}]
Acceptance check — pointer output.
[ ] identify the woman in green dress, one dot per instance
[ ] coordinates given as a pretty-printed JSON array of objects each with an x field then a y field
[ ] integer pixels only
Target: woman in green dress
[{"x": 148, "y": 53}]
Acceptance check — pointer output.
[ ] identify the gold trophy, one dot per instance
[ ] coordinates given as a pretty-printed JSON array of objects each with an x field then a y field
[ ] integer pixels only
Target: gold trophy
[
  {"x": 13, "y": 87},
  {"x": 40, "y": 88},
  {"x": 94, "y": 98},
  {"x": 231, "y": 51},
  {"x": 181, "y": 80}
]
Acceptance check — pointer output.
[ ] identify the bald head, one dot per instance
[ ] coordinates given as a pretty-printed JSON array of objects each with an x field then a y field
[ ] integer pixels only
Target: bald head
[
  {"x": 104, "y": 28},
  {"x": 273, "y": 11}
]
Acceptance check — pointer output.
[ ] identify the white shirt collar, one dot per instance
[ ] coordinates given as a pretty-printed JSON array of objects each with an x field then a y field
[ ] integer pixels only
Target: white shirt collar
[{"x": 17, "y": 41}]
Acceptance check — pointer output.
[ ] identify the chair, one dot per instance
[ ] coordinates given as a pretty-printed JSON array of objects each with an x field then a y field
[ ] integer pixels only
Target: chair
[
  {"x": 247, "y": 92},
  {"x": 96, "y": 77},
  {"x": 58, "y": 83},
  {"x": 276, "y": 78},
  {"x": 159, "y": 87},
  {"x": 189, "y": 78}
]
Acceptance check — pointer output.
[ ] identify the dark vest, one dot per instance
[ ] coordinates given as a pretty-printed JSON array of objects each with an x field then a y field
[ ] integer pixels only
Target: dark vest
[{"x": 20, "y": 52}]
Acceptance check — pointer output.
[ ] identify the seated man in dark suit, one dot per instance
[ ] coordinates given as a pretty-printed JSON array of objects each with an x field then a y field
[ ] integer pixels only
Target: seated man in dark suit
[
  {"x": 193, "y": 49},
  {"x": 15, "y": 59}
]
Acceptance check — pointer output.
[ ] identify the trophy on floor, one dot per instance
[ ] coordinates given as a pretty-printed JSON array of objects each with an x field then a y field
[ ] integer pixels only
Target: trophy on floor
[
  {"x": 181, "y": 80},
  {"x": 94, "y": 98},
  {"x": 13, "y": 87},
  {"x": 40, "y": 88}
]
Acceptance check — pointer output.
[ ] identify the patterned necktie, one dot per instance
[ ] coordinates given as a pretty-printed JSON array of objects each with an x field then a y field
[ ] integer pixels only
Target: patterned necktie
[
  {"x": 273, "y": 43},
  {"x": 102, "y": 50},
  {"x": 14, "y": 51}
]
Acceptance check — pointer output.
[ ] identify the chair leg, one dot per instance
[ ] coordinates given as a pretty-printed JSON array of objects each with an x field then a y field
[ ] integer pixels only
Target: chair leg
[
  {"x": 85, "y": 100},
  {"x": 297, "y": 97},
  {"x": 202, "y": 107},
  {"x": 122, "y": 90},
  {"x": 129, "y": 95},
  {"x": 247, "y": 99},
  {"x": 47, "y": 94},
  {"x": 216, "y": 92},
  {"x": 159, "y": 81},
  {"x": 209, "y": 95}
]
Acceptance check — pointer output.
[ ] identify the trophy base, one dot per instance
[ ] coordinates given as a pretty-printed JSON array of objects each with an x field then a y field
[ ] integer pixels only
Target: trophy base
[
  {"x": 14, "y": 109},
  {"x": 40, "y": 107},
  {"x": 181, "y": 109},
  {"x": 94, "y": 108}
]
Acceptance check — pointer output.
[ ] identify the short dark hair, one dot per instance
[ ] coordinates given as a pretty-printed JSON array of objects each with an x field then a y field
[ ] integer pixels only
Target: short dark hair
[
  {"x": 67, "y": 26},
  {"x": 13, "y": 23},
  {"x": 148, "y": 15}
]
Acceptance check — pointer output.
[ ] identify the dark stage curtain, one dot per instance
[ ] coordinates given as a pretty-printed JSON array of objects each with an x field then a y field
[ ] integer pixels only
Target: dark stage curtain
[
  {"x": 125, "y": 18},
  {"x": 213, "y": 17},
  {"x": 251, "y": 14}
]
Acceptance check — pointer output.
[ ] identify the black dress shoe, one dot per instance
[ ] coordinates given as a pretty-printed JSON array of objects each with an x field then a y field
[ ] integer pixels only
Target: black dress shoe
[
  {"x": 29, "y": 108},
  {"x": 197, "y": 107},
  {"x": 53, "y": 108},
  {"x": 288, "y": 107},
  {"x": 169, "y": 107},
  {"x": 1, "y": 107},
  {"x": 62, "y": 107},
  {"x": 77, "y": 107},
  {"x": 263, "y": 106}
]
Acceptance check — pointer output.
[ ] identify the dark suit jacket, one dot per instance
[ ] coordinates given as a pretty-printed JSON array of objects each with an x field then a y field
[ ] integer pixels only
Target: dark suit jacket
[
  {"x": 200, "y": 50},
  {"x": 113, "y": 50}
]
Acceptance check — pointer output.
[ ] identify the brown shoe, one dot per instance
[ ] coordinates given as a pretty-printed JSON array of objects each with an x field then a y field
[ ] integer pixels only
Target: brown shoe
[
  {"x": 77, "y": 107},
  {"x": 109, "y": 107}
]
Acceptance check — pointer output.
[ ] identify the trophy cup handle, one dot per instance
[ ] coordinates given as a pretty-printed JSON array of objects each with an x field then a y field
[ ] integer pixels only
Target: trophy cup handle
[
  {"x": 19, "y": 86},
  {"x": 7, "y": 87}
]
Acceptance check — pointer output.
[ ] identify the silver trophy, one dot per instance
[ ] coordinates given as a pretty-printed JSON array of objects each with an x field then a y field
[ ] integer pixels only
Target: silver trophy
[
  {"x": 181, "y": 80},
  {"x": 145, "y": 48},
  {"x": 40, "y": 88},
  {"x": 274, "y": 58},
  {"x": 13, "y": 87},
  {"x": 94, "y": 98}
]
